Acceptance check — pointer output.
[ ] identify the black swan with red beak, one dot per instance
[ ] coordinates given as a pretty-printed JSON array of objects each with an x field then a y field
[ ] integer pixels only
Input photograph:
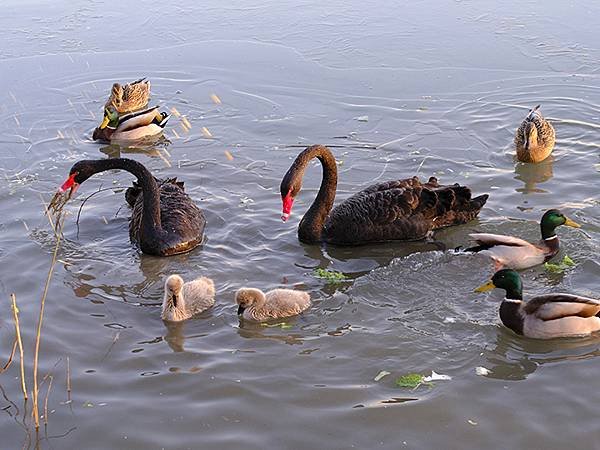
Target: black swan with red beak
[
  {"x": 165, "y": 221},
  {"x": 394, "y": 210}
]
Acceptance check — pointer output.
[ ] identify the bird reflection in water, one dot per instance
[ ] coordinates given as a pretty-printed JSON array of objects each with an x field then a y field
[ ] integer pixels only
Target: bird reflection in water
[
  {"x": 534, "y": 174},
  {"x": 515, "y": 358}
]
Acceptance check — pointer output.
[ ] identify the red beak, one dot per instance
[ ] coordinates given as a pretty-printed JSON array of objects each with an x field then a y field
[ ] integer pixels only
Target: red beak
[
  {"x": 288, "y": 202},
  {"x": 69, "y": 183}
]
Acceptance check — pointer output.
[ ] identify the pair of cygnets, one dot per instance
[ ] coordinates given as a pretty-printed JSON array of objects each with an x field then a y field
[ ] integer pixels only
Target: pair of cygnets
[{"x": 184, "y": 300}]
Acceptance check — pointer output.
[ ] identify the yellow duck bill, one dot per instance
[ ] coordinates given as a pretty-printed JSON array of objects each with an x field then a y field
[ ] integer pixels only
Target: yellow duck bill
[
  {"x": 571, "y": 223},
  {"x": 486, "y": 287}
]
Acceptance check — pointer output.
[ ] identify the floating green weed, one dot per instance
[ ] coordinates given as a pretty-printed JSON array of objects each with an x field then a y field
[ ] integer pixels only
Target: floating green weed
[
  {"x": 411, "y": 380},
  {"x": 560, "y": 267},
  {"x": 330, "y": 276}
]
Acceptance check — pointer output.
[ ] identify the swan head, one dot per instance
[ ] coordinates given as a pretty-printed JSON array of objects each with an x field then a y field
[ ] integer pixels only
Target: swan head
[
  {"x": 247, "y": 297},
  {"x": 290, "y": 186},
  {"x": 80, "y": 172},
  {"x": 173, "y": 299}
]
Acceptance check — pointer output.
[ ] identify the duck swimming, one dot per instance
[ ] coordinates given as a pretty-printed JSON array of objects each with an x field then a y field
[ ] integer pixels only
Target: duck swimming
[
  {"x": 534, "y": 138},
  {"x": 512, "y": 252},
  {"x": 255, "y": 305},
  {"x": 394, "y": 210},
  {"x": 184, "y": 300},
  {"x": 130, "y": 127},
  {"x": 126, "y": 98},
  {"x": 165, "y": 221},
  {"x": 545, "y": 316}
]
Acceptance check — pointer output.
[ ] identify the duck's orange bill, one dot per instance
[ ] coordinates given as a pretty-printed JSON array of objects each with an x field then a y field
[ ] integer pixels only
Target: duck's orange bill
[
  {"x": 288, "y": 202},
  {"x": 69, "y": 183}
]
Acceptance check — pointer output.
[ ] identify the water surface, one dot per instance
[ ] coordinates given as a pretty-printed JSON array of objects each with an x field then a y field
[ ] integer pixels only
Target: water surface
[{"x": 428, "y": 88}]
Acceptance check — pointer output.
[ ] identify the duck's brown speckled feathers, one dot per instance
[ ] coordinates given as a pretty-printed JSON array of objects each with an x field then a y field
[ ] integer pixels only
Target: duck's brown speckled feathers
[
  {"x": 129, "y": 97},
  {"x": 402, "y": 209},
  {"x": 534, "y": 138},
  {"x": 180, "y": 218}
]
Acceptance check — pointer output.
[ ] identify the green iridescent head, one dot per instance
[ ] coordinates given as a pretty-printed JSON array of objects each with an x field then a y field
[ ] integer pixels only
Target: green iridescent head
[
  {"x": 111, "y": 118},
  {"x": 506, "y": 279},
  {"x": 554, "y": 218}
]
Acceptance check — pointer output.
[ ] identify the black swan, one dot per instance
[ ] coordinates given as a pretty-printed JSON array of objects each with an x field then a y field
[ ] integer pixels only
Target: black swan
[
  {"x": 165, "y": 221},
  {"x": 393, "y": 210}
]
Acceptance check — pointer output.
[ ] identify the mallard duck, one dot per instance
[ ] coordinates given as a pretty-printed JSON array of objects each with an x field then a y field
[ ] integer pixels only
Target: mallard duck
[
  {"x": 512, "y": 252},
  {"x": 130, "y": 127},
  {"x": 129, "y": 97},
  {"x": 255, "y": 305},
  {"x": 183, "y": 300},
  {"x": 534, "y": 138},
  {"x": 545, "y": 316}
]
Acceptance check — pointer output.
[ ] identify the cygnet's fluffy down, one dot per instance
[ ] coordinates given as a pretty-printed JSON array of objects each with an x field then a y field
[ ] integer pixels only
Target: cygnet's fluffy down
[
  {"x": 183, "y": 300},
  {"x": 254, "y": 304}
]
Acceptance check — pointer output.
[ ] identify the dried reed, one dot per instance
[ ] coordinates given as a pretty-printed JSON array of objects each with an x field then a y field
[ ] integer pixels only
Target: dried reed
[
  {"x": 10, "y": 358},
  {"x": 57, "y": 205},
  {"x": 15, "y": 310},
  {"x": 68, "y": 380},
  {"x": 46, "y": 402}
]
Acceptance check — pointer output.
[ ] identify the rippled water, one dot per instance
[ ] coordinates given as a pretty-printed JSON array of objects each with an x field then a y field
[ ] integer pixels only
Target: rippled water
[{"x": 443, "y": 86}]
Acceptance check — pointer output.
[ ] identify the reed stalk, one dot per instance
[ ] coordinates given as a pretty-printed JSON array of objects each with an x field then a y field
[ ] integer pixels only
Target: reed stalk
[
  {"x": 15, "y": 310},
  {"x": 68, "y": 380},
  {"x": 38, "y": 336},
  {"x": 46, "y": 402},
  {"x": 10, "y": 358}
]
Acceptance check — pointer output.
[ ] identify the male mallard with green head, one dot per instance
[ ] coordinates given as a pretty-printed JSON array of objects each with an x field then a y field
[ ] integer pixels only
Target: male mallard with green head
[
  {"x": 130, "y": 127},
  {"x": 545, "y": 316},
  {"x": 534, "y": 138},
  {"x": 512, "y": 252}
]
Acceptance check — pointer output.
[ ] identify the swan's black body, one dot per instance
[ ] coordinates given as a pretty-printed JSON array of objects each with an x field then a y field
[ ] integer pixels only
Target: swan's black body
[
  {"x": 394, "y": 210},
  {"x": 165, "y": 221}
]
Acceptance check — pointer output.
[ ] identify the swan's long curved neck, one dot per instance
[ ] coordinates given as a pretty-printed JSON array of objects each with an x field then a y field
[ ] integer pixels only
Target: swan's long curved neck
[
  {"x": 150, "y": 189},
  {"x": 310, "y": 229}
]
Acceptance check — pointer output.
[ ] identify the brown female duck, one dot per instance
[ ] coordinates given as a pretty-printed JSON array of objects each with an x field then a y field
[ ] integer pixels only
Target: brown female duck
[
  {"x": 126, "y": 98},
  {"x": 534, "y": 138}
]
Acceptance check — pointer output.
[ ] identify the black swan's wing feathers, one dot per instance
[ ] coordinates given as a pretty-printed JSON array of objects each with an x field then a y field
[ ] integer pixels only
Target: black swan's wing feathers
[
  {"x": 402, "y": 209},
  {"x": 182, "y": 221},
  {"x": 132, "y": 192}
]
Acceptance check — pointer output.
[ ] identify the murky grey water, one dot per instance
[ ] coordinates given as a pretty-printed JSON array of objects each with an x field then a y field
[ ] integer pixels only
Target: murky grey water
[{"x": 444, "y": 84}]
